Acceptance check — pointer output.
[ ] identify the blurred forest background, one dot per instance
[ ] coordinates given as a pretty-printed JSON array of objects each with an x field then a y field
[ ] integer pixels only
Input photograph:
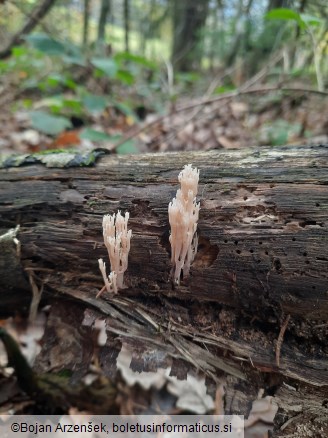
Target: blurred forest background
[{"x": 160, "y": 75}]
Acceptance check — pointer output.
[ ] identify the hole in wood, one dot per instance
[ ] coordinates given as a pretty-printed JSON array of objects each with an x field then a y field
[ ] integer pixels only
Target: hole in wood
[
  {"x": 206, "y": 253},
  {"x": 36, "y": 259},
  {"x": 277, "y": 264},
  {"x": 306, "y": 223}
]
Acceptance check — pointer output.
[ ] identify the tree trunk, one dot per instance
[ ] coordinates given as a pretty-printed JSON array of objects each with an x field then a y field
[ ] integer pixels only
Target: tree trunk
[
  {"x": 189, "y": 17},
  {"x": 104, "y": 12},
  {"x": 126, "y": 25},
  {"x": 239, "y": 31},
  {"x": 274, "y": 4},
  {"x": 86, "y": 14},
  {"x": 255, "y": 306},
  {"x": 39, "y": 12}
]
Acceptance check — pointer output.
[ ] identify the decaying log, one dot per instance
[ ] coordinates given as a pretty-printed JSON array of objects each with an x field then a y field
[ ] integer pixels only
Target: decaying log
[
  {"x": 262, "y": 228},
  {"x": 258, "y": 289}
]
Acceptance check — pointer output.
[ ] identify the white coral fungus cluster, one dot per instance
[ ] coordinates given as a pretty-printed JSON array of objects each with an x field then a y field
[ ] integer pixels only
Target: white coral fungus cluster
[
  {"x": 183, "y": 218},
  {"x": 117, "y": 240}
]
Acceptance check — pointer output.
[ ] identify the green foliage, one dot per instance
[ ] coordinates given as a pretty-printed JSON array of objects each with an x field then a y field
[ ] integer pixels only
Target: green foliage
[
  {"x": 56, "y": 80},
  {"x": 25, "y": 63},
  {"x": 105, "y": 65},
  {"x": 18, "y": 51},
  {"x": 64, "y": 96},
  {"x": 69, "y": 52},
  {"x": 307, "y": 23},
  {"x": 122, "y": 68},
  {"x": 187, "y": 77},
  {"x": 125, "y": 77},
  {"x": 280, "y": 131},
  {"x": 94, "y": 104},
  {"x": 136, "y": 59},
  {"x": 45, "y": 44},
  {"x": 224, "y": 89},
  {"x": 310, "y": 20},
  {"x": 94, "y": 135},
  {"x": 48, "y": 123},
  {"x": 128, "y": 147},
  {"x": 125, "y": 108},
  {"x": 283, "y": 14},
  {"x": 61, "y": 104},
  {"x": 303, "y": 20}
]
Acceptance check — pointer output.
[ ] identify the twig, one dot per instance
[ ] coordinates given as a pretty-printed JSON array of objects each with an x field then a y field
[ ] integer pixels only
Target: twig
[
  {"x": 37, "y": 293},
  {"x": 216, "y": 81},
  {"x": 316, "y": 60},
  {"x": 280, "y": 339},
  {"x": 253, "y": 80},
  {"x": 132, "y": 321},
  {"x": 290, "y": 420},
  {"x": 263, "y": 72},
  {"x": 241, "y": 92},
  {"x": 210, "y": 91},
  {"x": 37, "y": 14},
  {"x": 170, "y": 77}
]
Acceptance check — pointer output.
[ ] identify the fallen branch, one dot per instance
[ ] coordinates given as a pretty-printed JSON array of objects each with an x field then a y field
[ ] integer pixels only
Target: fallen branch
[{"x": 37, "y": 14}]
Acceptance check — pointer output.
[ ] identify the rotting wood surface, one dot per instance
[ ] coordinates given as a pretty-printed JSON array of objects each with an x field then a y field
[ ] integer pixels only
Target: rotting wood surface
[
  {"x": 263, "y": 224},
  {"x": 263, "y": 255}
]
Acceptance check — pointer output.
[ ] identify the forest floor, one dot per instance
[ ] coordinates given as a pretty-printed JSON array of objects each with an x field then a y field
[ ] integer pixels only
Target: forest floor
[{"x": 256, "y": 119}]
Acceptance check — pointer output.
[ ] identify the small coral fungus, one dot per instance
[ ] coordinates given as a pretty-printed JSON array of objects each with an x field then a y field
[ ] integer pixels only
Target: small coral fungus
[
  {"x": 117, "y": 240},
  {"x": 183, "y": 217}
]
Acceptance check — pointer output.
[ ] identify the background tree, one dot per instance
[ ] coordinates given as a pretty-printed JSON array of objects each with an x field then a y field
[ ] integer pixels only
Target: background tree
[
  {"x": 86, "y": 15},
  {"x": 242, "y": 32},
  {"x": 126, "y": 25},
  {"x": 105, "y": 11},
  {"x": 189, "y": 17}
]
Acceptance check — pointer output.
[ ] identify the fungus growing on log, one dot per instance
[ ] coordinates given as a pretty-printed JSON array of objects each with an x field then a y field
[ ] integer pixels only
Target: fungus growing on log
[
  {"x": 183, "y": 217},
  {"x": 110, "y": 281},
  {"x": 117, "y": 240}
]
